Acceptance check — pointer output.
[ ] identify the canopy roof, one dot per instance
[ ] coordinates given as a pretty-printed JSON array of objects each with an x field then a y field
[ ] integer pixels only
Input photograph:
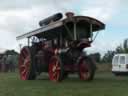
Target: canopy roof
[{"x": 59, "y": 26}]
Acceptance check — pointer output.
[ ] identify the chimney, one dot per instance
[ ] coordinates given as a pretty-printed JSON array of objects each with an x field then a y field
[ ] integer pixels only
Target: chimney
[{"x": 69, "y": 14}]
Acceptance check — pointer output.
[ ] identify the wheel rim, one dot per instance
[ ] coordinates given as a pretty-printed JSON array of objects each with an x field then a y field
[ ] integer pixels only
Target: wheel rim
[
  {"x": 54, "y": 69},
  {"x": 24, "y": 63},
  {"x": 84, "y": 70}
]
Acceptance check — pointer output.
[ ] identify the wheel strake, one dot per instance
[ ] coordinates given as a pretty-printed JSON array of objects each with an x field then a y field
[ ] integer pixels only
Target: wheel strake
[
  {"x": 86, "y": 69},
  {"x": 24, "y": 63},
  {"x": 55, "y": 69}
]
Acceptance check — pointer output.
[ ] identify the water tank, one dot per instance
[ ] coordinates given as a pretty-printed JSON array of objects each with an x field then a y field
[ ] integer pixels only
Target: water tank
[{"x": 52, "y": 18}]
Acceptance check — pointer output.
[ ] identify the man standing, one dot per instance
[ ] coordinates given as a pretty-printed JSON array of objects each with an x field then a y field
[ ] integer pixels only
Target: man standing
[
  {"x": 10, "y": 63},
  {"x": 4, "y": 63}
]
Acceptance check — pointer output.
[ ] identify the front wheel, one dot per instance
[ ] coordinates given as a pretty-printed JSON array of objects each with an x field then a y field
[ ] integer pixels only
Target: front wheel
[
  {"x": 56, "y": 69},
  {"x": 26, "y": 67},
  {"x": 87, "y": 69}
]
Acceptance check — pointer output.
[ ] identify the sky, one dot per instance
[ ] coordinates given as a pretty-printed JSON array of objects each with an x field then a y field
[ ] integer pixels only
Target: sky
[{"x": 21, "y": 16}]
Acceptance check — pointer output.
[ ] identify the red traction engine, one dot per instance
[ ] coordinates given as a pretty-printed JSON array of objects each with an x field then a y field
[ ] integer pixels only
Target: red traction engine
[{"x": 57, "y": 48}]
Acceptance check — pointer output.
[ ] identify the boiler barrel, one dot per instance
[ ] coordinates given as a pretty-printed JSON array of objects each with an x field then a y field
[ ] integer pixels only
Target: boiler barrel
[{"x": 53, "y": 18}]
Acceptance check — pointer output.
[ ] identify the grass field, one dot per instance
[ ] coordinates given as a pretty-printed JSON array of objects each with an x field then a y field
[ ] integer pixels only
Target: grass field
[{"x": 104, "y": 84}]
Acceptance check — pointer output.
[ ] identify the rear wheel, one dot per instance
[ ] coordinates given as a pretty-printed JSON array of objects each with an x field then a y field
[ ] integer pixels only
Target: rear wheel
[
  {"x": 26, "y": 67},
  {"x": 56, "y": 70},
  {"x": 86, "y": 69}
]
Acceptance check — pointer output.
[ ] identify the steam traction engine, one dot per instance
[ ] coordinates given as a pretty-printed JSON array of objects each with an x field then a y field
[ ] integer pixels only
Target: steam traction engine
[{"x": 57, "y": 48}]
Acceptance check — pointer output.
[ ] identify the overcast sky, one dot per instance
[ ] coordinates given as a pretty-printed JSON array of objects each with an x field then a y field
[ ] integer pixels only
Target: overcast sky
[{"x": 21, "y": 16}]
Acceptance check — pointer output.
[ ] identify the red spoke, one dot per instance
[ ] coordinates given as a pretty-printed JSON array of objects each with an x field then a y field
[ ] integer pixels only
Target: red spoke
[
  {"x": 23, "y": 54},
  {"x": 56, "y": 64},
  {"x": 84, "y": 70},
  {"x": 21, "y": 59},
  {"x": 54, "y": 74},
  {"x": 23, "y": 72},
  {"x": 22, "y": 66},
  {"x": 26, "y": 61},
  {"x": 54, "y": 69},
  {"x": 58, "y": 68}
]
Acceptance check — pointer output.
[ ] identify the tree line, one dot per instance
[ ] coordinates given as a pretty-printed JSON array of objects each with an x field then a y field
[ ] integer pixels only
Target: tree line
[{"x": 107, "y": 58}]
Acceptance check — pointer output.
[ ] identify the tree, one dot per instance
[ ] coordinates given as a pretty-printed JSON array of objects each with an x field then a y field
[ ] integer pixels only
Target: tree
[
  {"x": 125, "y": 45},
  {"x": 119, "y": 49},
  {"x": 124, "y": 48},
  {"x": 14, "y": 56},
  {"x": 95, "y": 56},
  {"x": 108, "y": 56},
  {"x": 11, "y": 52}
]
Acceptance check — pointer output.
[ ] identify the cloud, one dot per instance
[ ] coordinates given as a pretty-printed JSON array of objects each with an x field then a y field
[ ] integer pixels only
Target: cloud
[
  {"x": 102, "y": 10},
  {"x": 21, "y": 16}
]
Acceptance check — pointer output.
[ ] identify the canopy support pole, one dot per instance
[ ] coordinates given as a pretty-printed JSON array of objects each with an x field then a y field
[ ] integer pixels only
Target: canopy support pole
[
  {"x": 91, "y": 31},
  {"x": 75, "y": 35},
  {"x": 28, "y": 41},
  {"x": 68, "y": 30}
]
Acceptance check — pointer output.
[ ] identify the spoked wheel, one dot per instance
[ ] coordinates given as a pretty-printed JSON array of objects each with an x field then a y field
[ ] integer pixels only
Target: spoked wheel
[
  {"x": 56, "y": 71},
  {"x": 25, "y": 65},
  {"x": 86, "y": 69}
]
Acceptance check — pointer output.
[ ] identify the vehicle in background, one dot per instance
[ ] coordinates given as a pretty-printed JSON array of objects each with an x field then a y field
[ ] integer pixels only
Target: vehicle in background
[{"x": 120, "y": 64}]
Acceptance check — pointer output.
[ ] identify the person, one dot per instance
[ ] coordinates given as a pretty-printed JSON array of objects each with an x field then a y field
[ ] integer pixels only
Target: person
[
  {"x": 0, "y": 62},
  {"x": 10, "y": 63},
  {"x": 4, "y": 66}
]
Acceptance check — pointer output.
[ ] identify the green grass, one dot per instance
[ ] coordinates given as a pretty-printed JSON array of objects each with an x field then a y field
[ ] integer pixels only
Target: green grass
[{"x": 104, "y": 84}]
